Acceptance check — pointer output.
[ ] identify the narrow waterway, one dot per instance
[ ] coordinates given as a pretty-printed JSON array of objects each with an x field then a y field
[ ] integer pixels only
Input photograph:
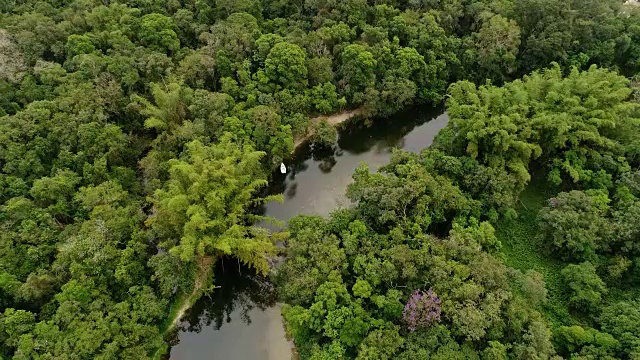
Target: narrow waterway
[{"x": 241, "y": 320}]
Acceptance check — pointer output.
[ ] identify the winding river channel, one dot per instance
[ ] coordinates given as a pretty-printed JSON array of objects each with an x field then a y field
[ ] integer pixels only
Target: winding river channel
[{"x": 241, "y": 320}]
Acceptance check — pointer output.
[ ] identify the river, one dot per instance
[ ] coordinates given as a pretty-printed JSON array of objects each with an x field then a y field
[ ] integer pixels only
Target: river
[{"x": 241, "y": 320}]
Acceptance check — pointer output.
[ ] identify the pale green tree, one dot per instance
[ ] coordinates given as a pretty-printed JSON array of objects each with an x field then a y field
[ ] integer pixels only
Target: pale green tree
[{"x": 205, "y": 204}]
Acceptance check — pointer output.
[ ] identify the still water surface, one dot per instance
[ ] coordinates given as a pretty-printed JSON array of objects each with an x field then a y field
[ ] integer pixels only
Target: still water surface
[{"x": 241, "y": 320}]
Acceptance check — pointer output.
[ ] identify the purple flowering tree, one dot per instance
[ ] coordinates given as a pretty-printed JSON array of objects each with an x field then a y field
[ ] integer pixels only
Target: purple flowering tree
[{"x": 422, "y": 310}]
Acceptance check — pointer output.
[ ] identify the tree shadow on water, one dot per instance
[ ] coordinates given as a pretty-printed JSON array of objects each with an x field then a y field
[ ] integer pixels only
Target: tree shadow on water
[
  {"x": 239, "y": 289},
  {"x": 327, "y": 164},
  {"x": 292, "y": 190}
]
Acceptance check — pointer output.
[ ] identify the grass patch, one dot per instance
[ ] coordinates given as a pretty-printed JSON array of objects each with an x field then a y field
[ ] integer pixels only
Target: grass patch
[
  {"x": 167, "y": 325},
  {"x": 203, "y": 278},
  {"x": 524, "y": 250},
  {"x": 176, "y": 305}
]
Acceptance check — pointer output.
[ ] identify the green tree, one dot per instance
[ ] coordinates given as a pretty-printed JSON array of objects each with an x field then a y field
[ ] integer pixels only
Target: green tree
[
  {"x": 325, "y": 98},
  {"x": 584, "y": 285},
  {"x": 546, "y": 27},
  {"x": 624, "y": 234},
  {"x": 227, "y": 7},
  {"x": 574, "y": 223},
  {"x": 380, "y": 344},
  {"x": 263, "y": 46},
  {"x": 231, "y": 41},
  {"x": 169, "y": 109},
  {"x": 323, "y": 134},
  {"x": 14, "y": 324},
  {"x": 356, "y": 72},
  {"x": 497, "y": 44},
  {"x": 620, "y": 320},
  {"x": 205, "y": 203},
  {"x": 320, "y": 70},
  {"x": 157, "y": 32},
  {"x": 576, "y": 340},
  {"x": 197, "y": 69},
  {"x": 410, "y": 194},
  {"x": 286, "y": 65},
  {"x": 78, "y": 44},
  {"x": 503, "y": 140},
  {"x": 533, "y": 287}
]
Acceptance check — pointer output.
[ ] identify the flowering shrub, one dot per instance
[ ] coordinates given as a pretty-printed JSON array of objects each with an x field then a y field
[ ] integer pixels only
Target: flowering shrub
[{"x": 422, "y": 310}]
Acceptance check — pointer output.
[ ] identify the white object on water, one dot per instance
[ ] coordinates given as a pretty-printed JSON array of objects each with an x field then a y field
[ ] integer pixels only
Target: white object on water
[{"x": 283, "y": 169}]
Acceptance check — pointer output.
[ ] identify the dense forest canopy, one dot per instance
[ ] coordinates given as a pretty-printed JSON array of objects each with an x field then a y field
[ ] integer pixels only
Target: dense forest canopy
[
  {"x": 136, "y": 138},
  {"x": 414, "y": 270}
]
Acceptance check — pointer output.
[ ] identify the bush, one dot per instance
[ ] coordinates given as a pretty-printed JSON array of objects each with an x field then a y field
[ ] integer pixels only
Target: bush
[
  {"x": 574, "y": 223},
  {"x": 323, "y": 134}
]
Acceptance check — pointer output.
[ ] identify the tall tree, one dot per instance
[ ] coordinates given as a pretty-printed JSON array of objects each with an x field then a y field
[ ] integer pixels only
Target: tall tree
[{"x": 204, "y": 207}]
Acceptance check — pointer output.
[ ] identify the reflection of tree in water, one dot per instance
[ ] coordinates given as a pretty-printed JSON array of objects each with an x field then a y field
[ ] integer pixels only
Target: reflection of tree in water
[
  {"x": 319, "y": 153},
  {"x": 240, "y": 290},
  {"x": 291, "y": 192},
  {"x": 295, "y": 165},
  {"x": 325, "y": 157},
  {"x": 385, "y": 133},
  {"x": 327, "y": 164},
  {"x": 386, "y": 145},
  {"x": 355, "y": 138}
]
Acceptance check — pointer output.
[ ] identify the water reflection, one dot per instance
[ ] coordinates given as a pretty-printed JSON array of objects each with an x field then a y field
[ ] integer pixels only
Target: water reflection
[
  {"x": 239, "y": 289},
  {"x": 319, "y": 177},
  {"x": 291, "y": 191},
  {"x": 327, "y": 164},
  {"x": 241, "y": 319}
]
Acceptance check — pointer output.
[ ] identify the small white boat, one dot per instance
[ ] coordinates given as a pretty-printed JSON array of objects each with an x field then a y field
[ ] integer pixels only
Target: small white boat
[{"x": 283, "y": 169}]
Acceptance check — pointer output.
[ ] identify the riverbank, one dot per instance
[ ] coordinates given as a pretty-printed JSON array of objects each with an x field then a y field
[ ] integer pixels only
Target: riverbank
[
  {"x": 239, "y": 321},
  {"x": 205, "y": 264},
  {"x": 184, "y": 302},
  {"x": 243, "y": 306}
]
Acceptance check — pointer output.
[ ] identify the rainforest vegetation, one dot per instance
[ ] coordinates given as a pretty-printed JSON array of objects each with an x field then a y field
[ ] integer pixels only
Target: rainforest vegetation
[{"x": 137, "y": 137}]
